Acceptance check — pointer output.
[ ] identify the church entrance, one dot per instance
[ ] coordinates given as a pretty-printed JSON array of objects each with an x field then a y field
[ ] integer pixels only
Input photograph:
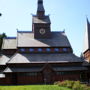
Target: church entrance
[{"x": 47, "y": 75}]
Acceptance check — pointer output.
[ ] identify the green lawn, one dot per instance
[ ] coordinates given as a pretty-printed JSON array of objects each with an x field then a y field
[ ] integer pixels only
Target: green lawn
[{"x": 33, "y": 87}]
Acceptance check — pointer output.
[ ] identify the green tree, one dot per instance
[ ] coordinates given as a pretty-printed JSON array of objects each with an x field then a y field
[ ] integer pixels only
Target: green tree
[
  {"x": 0, "y": 14},
  {"x": 1, "y": 39}
]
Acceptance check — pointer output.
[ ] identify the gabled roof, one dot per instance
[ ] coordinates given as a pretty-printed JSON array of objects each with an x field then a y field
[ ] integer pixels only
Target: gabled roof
[
  {"x": 58, "y": 39},
  {"x": 26, "y": 39},
  {"x": 87, "y": 37},
  {"x": 4, "y": 59},
  {"x": 44, "y": 58},
  {"x": 9, "y": 43},
  {"x": 44, "y": 20}
]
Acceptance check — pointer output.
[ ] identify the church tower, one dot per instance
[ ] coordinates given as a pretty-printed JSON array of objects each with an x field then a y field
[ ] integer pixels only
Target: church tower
[
  {"x": 41, "y": 23},
  {"x": 86, "y": 51}
]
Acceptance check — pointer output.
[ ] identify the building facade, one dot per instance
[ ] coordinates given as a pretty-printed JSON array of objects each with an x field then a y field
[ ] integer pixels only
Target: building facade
[
  {"x": 86, "y": 49},
  {"x": 40, "y": 56}
]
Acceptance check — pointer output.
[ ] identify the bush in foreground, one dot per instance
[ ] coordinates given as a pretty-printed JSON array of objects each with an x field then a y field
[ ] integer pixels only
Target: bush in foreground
[
  {"x": 74, "y": 85},
  {"x": 67, "y": 83}
]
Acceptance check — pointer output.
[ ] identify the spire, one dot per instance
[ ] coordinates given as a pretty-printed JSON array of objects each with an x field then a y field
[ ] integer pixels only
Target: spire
[
  {"x": 87, "y": 37},
  {"x": 87, "y": 22},
  {"x": 40, "y": 9}
]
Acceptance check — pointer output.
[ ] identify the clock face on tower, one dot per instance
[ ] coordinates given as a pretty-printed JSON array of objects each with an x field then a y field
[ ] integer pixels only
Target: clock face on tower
[{"x": 42, "y": 31}]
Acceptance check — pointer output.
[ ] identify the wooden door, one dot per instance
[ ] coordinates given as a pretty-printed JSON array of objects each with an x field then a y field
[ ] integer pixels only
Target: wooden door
[{"x": 47, "y": 75}]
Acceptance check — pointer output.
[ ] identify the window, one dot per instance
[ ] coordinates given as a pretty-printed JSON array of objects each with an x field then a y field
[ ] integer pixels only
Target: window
[
  {"x": 56, "y": 49},
  {"x": 60, "y": 73},
  {"x": 67, "y": 73},
  {"x": 48, "y": 49},
  {"x": 65, "y": 49},
  {"x": 22, "y": 50},
  {"x": 40, "y": 49},
  {"x": 31, "y": 49}
]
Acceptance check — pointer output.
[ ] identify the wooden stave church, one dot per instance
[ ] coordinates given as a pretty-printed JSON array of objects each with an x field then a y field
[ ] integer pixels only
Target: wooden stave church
[{"x": 40, "y": 56}]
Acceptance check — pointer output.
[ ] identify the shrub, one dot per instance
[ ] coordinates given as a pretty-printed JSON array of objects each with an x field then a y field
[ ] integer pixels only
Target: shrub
[
  {"x": 76, "y": 85},
  {"x": 83, "y": 87},
  {"x": 70, "y": 84},
  {"x": 63, "y": 83},
  {"x": 66, "y": 83},
  {"x": 57, "y": 83},
  {"x": 87, "y": 88}
]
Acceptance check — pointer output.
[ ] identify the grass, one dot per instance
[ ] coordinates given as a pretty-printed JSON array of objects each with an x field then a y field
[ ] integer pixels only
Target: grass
[{"x": 33, "y": 87}]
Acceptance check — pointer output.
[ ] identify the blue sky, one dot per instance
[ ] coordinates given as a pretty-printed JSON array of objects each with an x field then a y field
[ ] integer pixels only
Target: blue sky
[{"x": 64, "y": 14}]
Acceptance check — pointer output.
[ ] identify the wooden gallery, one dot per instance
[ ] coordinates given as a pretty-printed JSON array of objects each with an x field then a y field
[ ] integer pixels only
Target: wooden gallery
[{"x": 42, "y": 56}]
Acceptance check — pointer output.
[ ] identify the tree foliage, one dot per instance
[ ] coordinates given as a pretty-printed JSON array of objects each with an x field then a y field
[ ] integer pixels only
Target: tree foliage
[
  {"x": 73, "y": 85},
  {"x": 1, "y": 39},
  {"x": 0, "y": 14}
]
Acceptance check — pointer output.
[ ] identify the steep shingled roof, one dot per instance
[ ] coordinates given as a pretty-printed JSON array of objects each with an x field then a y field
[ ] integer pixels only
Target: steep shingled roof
[
  {"x": 44, "y": 20},
  {"x": 4, "y": 59},
  {"x": 9, "y": 70},
  {"x": 9, "y": 43},
  {"x": 73, "y": 68},
  {"x": 44, "y": 58},
  {"x": 27, "y": 40}
]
